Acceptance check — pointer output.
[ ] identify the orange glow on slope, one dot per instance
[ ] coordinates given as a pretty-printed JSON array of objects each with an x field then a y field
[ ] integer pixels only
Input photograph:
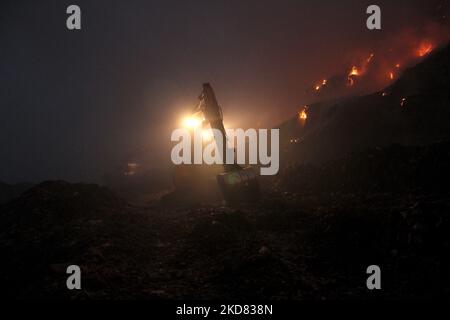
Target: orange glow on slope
[{"x": 424, "y": 49}]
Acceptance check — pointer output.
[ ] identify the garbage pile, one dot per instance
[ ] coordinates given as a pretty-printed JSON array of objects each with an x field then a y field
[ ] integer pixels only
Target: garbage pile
[{"x": 394, "y": 168}]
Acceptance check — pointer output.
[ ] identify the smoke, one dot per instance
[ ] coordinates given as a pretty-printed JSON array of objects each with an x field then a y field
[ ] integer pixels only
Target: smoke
[{"x": 372, "y": 68}]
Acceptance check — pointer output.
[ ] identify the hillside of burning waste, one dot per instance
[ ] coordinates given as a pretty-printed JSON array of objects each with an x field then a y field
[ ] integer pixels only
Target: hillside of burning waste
[
  {"x": 414, "y": 110},
  {"x": 364, "y": 180}
]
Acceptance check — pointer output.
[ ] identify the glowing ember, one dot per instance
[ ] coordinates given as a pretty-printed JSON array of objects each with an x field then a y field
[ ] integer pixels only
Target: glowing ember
[
  {"x": 391, "y": 75},
  {"x": 370, "y": 58},
  {"x": 397, "y": 65},
  {"x": 424, "y": 49}
]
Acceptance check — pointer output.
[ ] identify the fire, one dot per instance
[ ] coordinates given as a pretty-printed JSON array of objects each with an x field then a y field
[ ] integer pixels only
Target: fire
[
  {"x": 378, "y": 66},
  {"x": 354, "y": 72},
  {"x": 303, "y": 115},
  {"x": 424, "y": 49},
  {"x": 319, "y": 86}
]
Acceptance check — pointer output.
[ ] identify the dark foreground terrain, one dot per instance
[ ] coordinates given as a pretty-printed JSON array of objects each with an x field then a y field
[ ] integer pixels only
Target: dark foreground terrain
[{"x": 312, "y": 236}]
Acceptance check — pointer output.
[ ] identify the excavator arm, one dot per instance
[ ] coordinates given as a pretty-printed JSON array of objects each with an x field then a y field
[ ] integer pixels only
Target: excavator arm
[
  {"x": 213, "y": 115},
  {"x": 236, "y": 183}
]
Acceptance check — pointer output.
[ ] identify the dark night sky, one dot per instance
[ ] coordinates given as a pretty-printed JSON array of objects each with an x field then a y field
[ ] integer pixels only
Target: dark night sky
[{"x": 74, "y": 104}]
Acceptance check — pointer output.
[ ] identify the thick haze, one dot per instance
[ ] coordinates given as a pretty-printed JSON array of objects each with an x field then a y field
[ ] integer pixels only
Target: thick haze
[{"x": 75, "y": 104}]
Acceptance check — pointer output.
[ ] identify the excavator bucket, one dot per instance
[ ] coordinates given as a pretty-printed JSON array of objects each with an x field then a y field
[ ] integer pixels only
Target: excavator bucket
[{"x": 239, "y": 186}]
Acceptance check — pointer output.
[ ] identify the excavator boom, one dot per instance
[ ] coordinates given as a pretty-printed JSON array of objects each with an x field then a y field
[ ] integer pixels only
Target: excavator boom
[{"x": 237, "y": 183}]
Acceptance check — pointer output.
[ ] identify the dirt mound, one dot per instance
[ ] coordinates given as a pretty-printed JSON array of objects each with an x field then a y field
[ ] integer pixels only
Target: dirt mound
[{"x": 56, "y": 224}]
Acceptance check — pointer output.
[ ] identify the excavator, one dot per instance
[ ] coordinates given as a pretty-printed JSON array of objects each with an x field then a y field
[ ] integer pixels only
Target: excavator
[{"x": 238, "y": 184}]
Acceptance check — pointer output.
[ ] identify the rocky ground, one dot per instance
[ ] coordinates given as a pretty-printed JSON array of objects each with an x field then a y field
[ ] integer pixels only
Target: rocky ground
[{"x": 302, "y": 241}]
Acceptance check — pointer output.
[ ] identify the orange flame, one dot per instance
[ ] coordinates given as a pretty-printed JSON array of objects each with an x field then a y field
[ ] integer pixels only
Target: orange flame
[
  {"x": 424, "y": 49},
  {"x": 354, "y": 72},
  {"x": 303, "y": 115},
  {"x": 319, "y": 86}
]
